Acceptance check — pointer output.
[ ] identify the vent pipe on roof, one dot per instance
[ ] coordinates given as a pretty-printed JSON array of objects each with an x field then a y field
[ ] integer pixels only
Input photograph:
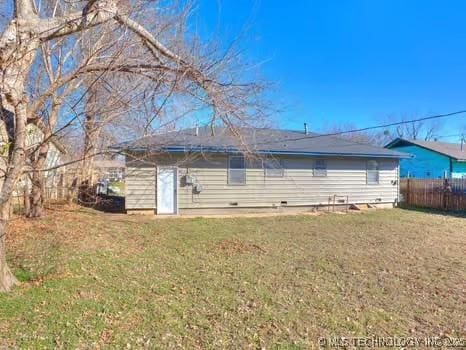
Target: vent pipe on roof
[
  {"x": 197, "y": 130},
  {"x": 305, "y": 129}
]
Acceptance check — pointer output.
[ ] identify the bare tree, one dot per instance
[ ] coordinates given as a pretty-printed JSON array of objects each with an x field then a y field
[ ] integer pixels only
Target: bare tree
[
  {"x": 419, "y": 130},
  {"x": 344, "y": 131},
  {"x": 47, "y": 122},
  {"x": 202, "y": 77}
]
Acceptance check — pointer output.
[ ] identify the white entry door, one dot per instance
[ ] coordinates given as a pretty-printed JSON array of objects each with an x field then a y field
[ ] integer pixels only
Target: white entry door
[{"x": 166, "y": 191}]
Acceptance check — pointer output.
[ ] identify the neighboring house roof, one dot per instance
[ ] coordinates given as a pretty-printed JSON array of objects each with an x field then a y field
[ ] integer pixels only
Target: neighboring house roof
[
  {"x": 452, "y": 150},
  {"x": 265, "y": 141},
  {"x": 109, "y": 163}
]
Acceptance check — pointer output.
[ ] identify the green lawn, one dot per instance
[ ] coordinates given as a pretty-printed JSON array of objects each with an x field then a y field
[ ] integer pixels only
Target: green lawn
[
  {"x": 93, "y": 280},
  {"x": 116, "y": 188}
]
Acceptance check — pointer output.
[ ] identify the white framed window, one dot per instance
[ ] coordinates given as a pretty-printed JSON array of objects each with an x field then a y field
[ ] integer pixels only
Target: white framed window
[
  {"x": 236, "y": 170},
  {"x": 320, "y": 168},
  {"x": 372, "y": 172},
  {"x": 113, "y": 173},
  {"x": 273, "y": 168}
]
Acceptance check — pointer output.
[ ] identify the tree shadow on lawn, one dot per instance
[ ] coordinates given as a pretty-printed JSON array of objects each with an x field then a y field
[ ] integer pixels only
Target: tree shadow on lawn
[{"x": 108, "y": 204}]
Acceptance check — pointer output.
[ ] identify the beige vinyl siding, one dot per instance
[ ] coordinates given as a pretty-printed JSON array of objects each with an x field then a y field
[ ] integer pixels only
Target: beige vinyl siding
[
  {"x": 140, "y": 187},
  {"x": 298, "y": 186}
]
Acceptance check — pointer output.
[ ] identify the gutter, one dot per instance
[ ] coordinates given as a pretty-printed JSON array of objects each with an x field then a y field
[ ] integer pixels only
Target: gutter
[{"x": 293, "y": 153}]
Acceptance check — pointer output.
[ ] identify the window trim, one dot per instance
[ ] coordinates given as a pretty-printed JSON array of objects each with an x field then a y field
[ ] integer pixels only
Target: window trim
[
  {"x": 280, "y": 164},
  {"x": 314, "y": 168},
  {"x": 376, "y": 170},
  {"x": 230, "y": 157}
]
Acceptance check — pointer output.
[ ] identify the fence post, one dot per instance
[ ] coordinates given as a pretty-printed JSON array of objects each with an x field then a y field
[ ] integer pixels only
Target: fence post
[
  {"x": 408, "y": 188},
  {"x": 446, "y": 187},
  {"x": 26, "y": 203}
]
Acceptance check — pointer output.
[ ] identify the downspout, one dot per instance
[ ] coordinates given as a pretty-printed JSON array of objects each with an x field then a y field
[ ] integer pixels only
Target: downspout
[{"x": 398, "y": 184}]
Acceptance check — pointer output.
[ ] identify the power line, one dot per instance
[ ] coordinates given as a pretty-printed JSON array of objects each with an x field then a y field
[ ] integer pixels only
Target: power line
[
  {"x": 369, "y": 127},
  {"x": 445, "y": 136}
]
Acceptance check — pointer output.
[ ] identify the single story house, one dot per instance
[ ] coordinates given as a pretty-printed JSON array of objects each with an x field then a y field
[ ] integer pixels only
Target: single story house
[
  {"x": 431, "y": 159},
  {"x": 199, "y": 171}
]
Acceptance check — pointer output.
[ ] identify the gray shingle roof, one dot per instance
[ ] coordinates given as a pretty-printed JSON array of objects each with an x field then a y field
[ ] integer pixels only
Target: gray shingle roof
[
  {"x": 452, "y": 150},
  {"x": 109, "y": 163},
  {"x": 271, "y": 141}
]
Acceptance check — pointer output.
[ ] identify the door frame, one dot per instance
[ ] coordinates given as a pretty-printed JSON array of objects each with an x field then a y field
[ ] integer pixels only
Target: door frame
[{"x": 175, "y": 188}]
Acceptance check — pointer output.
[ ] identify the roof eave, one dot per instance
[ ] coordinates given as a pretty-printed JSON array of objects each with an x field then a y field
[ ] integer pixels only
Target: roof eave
[
  {"x": 396, "y": 141},
  {"x": 272, "y": 152}
]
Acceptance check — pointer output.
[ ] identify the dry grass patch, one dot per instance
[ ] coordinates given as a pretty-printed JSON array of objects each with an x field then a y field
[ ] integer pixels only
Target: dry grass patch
[
  {"x": 96, "y": 280},
  {"x": 233, "y": 247}
]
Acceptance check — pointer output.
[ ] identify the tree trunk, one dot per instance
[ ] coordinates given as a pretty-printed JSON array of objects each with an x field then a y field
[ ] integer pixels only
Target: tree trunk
[
  {"x": 36, "y": 198},
  {"x": 91, "y": 136},
  {"x": 86, "y": 194},
  {"x": 26, "y": 201},
  {"x": 13, "y": 170},
  {"x": 17, "y": 52},
  {"x": 7, "y": 279},
  {"x": 92, "y": 132},
  {"x": 39, "y": 160}
]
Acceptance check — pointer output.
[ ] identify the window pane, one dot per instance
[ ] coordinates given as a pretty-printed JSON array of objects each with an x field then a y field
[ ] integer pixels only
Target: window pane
[
  {"x": 320, "y": 172},
  {"x": 320, "y": 167},
  {"x": 372, "y": 176},
  {"x": 274, "y": 172},
  {"x": 372, "y": 165},
  {"x": 320, "y": 164},
  {"x": 237, "y": 176},
  {"x": 236, "y": 170},
  {"x": 372, "y": 172},
  {"x": 273, "y": 168},
  {"x": 236, "y": 162}
]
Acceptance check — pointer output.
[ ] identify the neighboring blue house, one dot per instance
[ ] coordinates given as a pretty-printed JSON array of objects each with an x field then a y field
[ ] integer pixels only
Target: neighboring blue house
[{"x": 431, "y": 159}]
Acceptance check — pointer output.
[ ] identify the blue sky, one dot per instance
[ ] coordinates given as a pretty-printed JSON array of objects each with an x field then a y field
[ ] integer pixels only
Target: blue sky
[{"x": 359, "y": 62}]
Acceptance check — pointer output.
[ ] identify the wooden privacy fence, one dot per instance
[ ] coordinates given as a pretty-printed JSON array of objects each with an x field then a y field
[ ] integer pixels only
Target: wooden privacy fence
[
  {"x": 442, "y": 194},
  {"x": 60, "y": 188}
]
